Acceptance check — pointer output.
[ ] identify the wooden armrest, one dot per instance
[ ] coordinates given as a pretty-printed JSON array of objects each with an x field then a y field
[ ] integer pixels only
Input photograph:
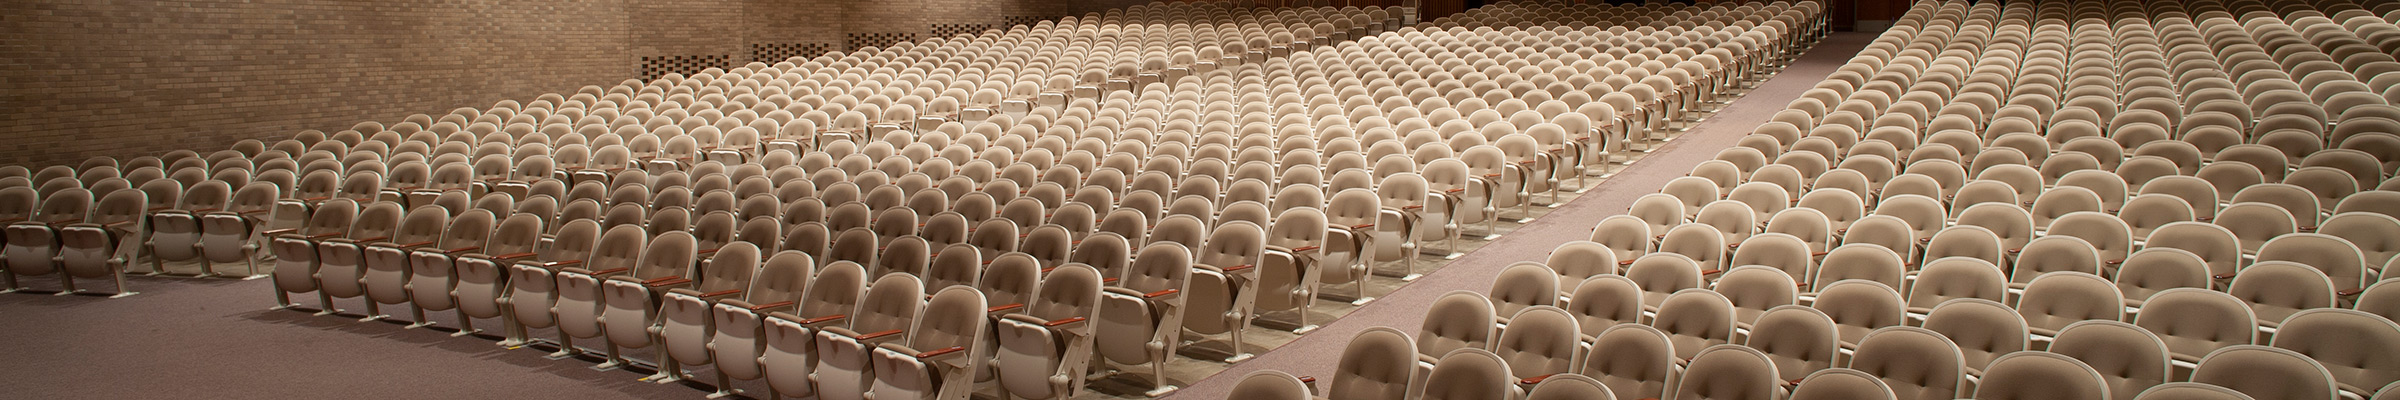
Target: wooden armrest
[
  {"x": 1412, "y": 207},
  {"x": 120, "y": 223},
  {"x": 556, "y": 264},
  {"x": 1455, "y": 190},
  {"x": 672, "y": 280},
  {"x": 828, "y": 318},
  {"x": 1625, "y": 262},
  {"x": 1305, "y": 248},
  {"x": 279, "y": 232},
  {"x": 610, "y": 271},
  {"x": 725, "y": 292},
  {"x": 409, "y": 245},
  {"x": 1153, "y": 295},
  {"x": 462, "y": 249},
  {"x": 2350, "y": 292},
  {"x": 938, "y": 353},
  {"x": 2016, "y": 250},
  {"x": 368, "y": 239},
  {"x": 771, "y": 305},
  {"x": 1711, "y": 272},
  {"x": 1239, "y": 267},
  {"x": 1006, "y": 307},
  {"x": 878, "y": 335},
  {"x": 318, "y": 198},
  {"x": 1308, "y": 379},
  {"x": 705, "y": 252},
  {"x": 2224, "y": 276},
  {"x": 1068, "y": 320},
  {"x": 2114, "y": 262},
  {"x": 1362, "y": 226},
  {"x": 1535, "y": 380},
  {"x": 321, "y": 235},
  {"x": 1106, "y": 281}
]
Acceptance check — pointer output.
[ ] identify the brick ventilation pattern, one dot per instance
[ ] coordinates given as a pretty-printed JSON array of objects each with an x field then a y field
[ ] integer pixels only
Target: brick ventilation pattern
[
  {"x": 654, "y": 67},
  {"x": 771, "y": 53},
  {"x": 948, "y": 30},
  {"x": 879, "y": 39},
  {"x": 1026, "y": 20}
]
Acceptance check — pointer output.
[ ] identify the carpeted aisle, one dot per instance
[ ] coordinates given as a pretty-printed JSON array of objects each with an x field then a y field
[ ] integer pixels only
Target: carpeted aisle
[{"x": 1317, "y": 353}]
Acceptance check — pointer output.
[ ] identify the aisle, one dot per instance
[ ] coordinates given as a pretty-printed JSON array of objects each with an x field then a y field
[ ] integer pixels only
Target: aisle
[{"x": 1316, "y": 353}]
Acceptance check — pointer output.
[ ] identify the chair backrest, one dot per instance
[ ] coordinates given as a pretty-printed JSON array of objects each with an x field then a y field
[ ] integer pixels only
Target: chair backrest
[
  {"x": 2358, "y": 348},
  {"x": 1729, "y": 372},
  {"x": 2192, "y": 391},
  {"x": 1695, "y": 319},
  {"x": 1270, "y": 385},
  {"x": 2057, "y": 299},
  {"x": 782, "y": 277},
  {"x": 1639, "y": 361},
  {"x": 1468, "y": 374},
  {"x": 2266, "y": 372},
  {"x": 1539, "y": 340},
  {"x": 1379, "y": 363},
  {"x": 1917, "y": 363},
  {"x": 1983, "y": 329},
  {"x": 1523, "y": 285},
  {"x": 892, "y": 302},
  {"x": 2040, "y": 375},
  {"x": 954, "y": 317},
  {"x": 2195, "y": 322},
  {"x": 1457, "y": 320}
]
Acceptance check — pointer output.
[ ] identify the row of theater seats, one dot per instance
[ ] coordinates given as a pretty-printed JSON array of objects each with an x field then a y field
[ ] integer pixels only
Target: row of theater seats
[
  {"x": 2197, "y": 235},
  {"x": 1195, "y": 206},
  {"x": 1693, "y": 348}
]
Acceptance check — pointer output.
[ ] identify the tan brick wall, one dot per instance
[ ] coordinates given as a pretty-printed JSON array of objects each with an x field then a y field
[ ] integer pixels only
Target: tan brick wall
[{"x": 128, "y": 78}]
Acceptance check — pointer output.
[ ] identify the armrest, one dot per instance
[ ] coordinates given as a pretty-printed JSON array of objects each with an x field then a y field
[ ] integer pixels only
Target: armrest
[
  {"x": 705, "y": 252},
  {"x": 462, "y": 249},
  {"x": 1412, "y": 207},
  {"x": 407, "y": 245},
  {"x": 610, "y": 271},
  {"x": 512, "y": 256},
  {"x": 279, "y": 232},
  {"x": 879, "y": 335},
  {"x": 321, "y": 235},
  {"x": 778, "y": 304},
  {"x": 555, "y": 264},
  {"x": 2224, "y": 276},
  {"x": 1305, "y": 248},
  {"x": 1239, "y": 267},
  {"x": 1005, "y": 307},
  {"x": 2350, "y": 292},
  {"x": 365, "y": 240},
  {"x": 667, "y": 281},
  {"x": 1057, "y": 323},
  {"x": 1711, "y": 272},
  {"x": 1362, "y": 226},
  {"x": 1153, "y": 295},
  {"x": 1535, "y": 380},
  {"x": 824, "y": 319},
  {"x": 942, "y": 352}
]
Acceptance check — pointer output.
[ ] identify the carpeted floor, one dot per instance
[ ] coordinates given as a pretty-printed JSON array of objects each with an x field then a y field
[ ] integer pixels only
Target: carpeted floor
[
  {"x": 1316, "y": 353},
  {"x": 198, "y": 338}
]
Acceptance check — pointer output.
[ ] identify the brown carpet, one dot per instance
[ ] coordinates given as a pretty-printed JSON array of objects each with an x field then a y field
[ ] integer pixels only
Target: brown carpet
[{"x": 1316, "y": 353}]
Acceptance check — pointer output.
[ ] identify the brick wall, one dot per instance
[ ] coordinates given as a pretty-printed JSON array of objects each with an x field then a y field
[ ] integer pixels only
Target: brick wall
[{"x": 127, "y": 78}]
